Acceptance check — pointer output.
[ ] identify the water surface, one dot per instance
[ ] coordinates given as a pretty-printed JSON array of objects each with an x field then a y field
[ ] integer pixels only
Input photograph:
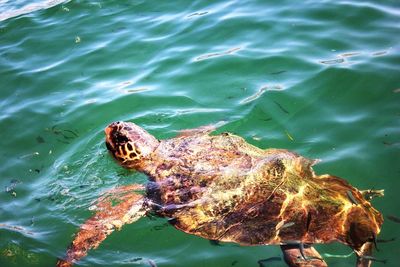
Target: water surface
[{"x": 320, "y": 78}]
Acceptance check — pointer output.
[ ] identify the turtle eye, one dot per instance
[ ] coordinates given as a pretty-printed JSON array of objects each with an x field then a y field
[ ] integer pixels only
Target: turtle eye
[{"x": 119, "y": 138}]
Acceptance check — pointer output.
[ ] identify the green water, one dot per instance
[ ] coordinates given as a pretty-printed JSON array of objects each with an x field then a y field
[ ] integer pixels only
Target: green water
[{"x": 321, "y": 78}]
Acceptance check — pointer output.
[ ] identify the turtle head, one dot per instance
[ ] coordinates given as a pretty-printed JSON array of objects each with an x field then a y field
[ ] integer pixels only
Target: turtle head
[{"x": 129, "y": 144}]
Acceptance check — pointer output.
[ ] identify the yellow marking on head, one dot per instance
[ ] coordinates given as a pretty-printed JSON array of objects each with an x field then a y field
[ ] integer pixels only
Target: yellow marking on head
[{"x": 127, "y": 152}]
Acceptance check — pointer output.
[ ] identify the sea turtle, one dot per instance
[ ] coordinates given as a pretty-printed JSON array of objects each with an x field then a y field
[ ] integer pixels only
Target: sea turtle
[{"x": 221, "y": 188}]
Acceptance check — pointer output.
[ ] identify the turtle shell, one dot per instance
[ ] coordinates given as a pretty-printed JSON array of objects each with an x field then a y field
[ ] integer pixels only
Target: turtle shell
[{"x": 222, "y": 188}]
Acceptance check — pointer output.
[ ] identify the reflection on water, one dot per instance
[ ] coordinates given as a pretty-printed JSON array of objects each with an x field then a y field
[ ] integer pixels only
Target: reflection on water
[
  {"x": 28, "y": 8},
  {"x": 345, "y": 57},
  {"x": 228, "y": 52}
]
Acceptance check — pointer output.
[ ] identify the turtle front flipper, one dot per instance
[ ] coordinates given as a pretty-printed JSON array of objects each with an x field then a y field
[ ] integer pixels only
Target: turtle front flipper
[
  {"x": 299, "y": 255},
  {"x": 109, "y": 217},
  {"x": 205, "y": 129}
]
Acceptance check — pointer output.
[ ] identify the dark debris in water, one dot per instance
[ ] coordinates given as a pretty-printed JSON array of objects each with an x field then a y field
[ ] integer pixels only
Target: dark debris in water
[
  {"x": 281, "y": 107},
  {"x": 215, "y": 243},
  {"x": 278, "y": 72},
  {"x": 37, "y": 170},
  {"x": 160, "y": 227},
  {"x": 63, "y": 135},
  {"x": 393, "y": 218},
  {"x": 267, "y": 119},
  {"x": 136, "y": 259},
  {"x": 379, "y": 240},
  {"x": 387, "y": 143},
  {"x": 40, "y": 139},
  {"x": 332, "y": 61}
]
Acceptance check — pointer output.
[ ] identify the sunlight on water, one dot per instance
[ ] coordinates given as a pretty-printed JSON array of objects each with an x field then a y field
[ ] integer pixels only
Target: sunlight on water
[{"x": 18, "y": 9}]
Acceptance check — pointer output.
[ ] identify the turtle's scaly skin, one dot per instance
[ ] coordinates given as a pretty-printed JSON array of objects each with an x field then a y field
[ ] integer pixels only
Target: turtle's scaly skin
[{"x": 221, "y": 188}]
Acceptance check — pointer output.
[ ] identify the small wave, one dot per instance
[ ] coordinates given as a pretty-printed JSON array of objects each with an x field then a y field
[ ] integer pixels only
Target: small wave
[
  {"x": 345, "y": 57},
  {"x": 228, "y": 52},
  {"x": 30, "y": 8},
  {"x": 260, "y": 92}
]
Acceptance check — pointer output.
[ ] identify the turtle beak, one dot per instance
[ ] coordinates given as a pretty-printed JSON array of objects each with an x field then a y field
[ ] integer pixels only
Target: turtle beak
[{"x": 108, "y": 131}]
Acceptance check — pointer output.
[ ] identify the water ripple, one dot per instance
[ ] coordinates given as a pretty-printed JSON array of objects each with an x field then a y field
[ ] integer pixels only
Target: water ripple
[
  {"x": 29, "y": 8},
  {"x": 319, "y": 78}
]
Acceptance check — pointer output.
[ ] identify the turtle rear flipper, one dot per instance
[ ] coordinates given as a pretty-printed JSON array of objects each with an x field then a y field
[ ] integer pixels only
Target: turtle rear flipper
[{"x": 108, "y": 218}]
